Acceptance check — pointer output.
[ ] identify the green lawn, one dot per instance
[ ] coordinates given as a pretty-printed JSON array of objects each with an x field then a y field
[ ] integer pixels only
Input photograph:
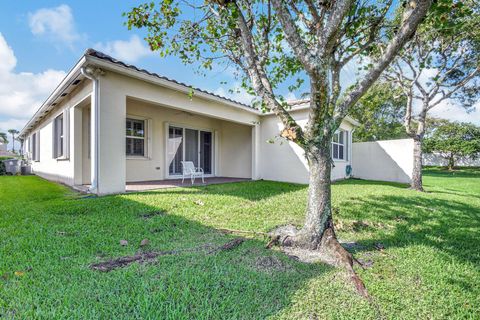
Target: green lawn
[{"x": 49, "y": 236}]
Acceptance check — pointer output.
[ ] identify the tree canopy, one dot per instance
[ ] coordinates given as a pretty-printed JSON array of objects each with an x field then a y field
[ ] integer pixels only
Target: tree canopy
[
  {"x": 380, "y": 113},
  {"x": 452, "y": 140}
]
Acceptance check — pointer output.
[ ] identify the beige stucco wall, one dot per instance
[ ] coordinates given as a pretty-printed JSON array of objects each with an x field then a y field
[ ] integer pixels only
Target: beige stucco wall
[
  {"x": 240, "y": 137},
  {"x": 233, "y": 149},
  {"x": 388, "y": 160},
  {"x": 49, "y": 167},
  {"x": 285, "y": 161}
]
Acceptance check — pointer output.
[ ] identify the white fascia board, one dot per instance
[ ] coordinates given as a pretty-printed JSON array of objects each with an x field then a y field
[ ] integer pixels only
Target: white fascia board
[
  {"x": 164, "y": 83},
  {"x": 305, "y": 106},
  {"x": 58, "y": 90}
]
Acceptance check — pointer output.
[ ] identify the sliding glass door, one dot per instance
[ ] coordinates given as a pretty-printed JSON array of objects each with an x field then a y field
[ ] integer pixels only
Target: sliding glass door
[{"x": 185, "y": 144}]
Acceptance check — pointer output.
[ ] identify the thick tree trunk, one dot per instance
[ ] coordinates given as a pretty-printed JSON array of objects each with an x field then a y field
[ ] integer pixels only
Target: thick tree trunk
[
  {"x": 316, "y": 241},
  {"x": 417, "y": 183},
  {"x": 451, "y": 162},
  {"x": 319, "y": 203}
]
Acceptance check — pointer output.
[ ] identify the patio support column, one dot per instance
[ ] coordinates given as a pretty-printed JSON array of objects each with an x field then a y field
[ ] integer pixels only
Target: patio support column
[
  {"x": 76, "y": 145},
  {"x": 256, "y": 152},
  {"x": 111, "y": 136}
]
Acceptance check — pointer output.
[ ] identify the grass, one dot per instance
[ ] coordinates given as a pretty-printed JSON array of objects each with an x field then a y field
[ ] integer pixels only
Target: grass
[{"x": 49, "y": 236}]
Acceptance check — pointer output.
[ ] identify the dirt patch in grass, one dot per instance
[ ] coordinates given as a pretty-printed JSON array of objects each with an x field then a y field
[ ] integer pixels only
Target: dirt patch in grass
[
  {"x": 149, "y": 215},
  {"x": 144, "y": 257},
  {"x": 270, "y": 264}
]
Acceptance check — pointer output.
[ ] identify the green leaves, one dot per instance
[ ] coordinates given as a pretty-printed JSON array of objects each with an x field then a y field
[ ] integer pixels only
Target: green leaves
[
  {"x": 452, "y": 139},
  {"x": 380, "y": 113}
]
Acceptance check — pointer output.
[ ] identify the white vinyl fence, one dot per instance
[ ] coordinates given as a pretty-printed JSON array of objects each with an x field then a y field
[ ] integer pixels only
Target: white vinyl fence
[
  {"x": 432, "y": 159},
  {"x": 387, "y": 160}
]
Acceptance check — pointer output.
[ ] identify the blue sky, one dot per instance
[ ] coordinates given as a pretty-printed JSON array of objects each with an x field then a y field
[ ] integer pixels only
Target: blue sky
[{"x": 41, "y": 40}]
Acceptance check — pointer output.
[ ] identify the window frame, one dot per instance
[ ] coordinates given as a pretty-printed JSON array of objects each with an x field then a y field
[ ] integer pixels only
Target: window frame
[
  {"x": 144, "y": 138},
  {"x": 343, "y": 134}
]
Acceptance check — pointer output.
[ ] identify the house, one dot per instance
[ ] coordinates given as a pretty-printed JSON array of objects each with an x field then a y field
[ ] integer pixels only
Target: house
[{"x": 108, "y": 124}]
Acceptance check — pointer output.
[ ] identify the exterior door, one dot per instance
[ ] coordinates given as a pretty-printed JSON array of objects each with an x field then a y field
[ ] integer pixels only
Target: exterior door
[{"x": 189, "y": 144}]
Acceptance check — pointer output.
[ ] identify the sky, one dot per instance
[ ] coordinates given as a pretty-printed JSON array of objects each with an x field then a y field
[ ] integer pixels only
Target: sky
[{"x": 41, "y": 40}]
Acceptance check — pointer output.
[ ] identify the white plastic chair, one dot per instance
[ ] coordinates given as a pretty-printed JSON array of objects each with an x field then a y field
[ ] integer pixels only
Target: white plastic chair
[{"x": 188, "y": 169}]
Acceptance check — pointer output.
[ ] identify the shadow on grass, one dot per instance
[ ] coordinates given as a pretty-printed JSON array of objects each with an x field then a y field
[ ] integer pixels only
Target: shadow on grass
[
  {"x": 360, "y": 182},
  {"x": 249, "y": 190},
  {"x": 247, "y": 282},
  {"x": 448, "y": 225},
  {"x": 463, "y": 172}
]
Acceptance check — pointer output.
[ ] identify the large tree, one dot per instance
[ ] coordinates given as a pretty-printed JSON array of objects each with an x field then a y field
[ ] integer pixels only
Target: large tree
[
  {"x": 452, "y": 140},
  {"x": 275, "y": 43},
  {"x": 380, "y": 113},
  {"x": 440, "y": 65}
]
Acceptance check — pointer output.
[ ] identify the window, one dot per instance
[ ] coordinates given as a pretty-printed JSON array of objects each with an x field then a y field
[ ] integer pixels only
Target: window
[
  {"x": 339, "y": 149},
  {"x": 58, "y": 137},
  {"x": 135, "y": 137}
]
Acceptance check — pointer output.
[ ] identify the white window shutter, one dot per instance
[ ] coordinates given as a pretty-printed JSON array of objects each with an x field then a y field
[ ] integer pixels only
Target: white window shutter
[
  {"x": 346, "y": 141},
  {"x": 149, "y": 143},
  {"x": 37, "y": 146},
  {"x": 66, "y": 133}
]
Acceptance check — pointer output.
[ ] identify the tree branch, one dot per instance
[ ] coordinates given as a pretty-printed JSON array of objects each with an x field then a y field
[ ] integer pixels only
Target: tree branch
[
  {"x": 294, "y": 38},
  {"x": 261, "y": 83},
  {"x": 412, "y": 18}
]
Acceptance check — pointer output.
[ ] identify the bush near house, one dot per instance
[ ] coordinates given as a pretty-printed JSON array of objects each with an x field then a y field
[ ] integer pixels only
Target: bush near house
[
  {"x": 420, "y": 249},
  {"x": 2, "y": 165}
]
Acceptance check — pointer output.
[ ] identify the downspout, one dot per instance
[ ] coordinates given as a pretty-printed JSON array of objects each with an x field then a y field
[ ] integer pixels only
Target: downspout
[
  {"x": 350, "y": 158},
  {"x": 91, "y": 74}
]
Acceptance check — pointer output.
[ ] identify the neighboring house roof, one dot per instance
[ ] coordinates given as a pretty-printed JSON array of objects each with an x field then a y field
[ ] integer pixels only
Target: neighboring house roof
[
  {"x": 94, "y": 57},
  {"x": 305, "y": 104}
]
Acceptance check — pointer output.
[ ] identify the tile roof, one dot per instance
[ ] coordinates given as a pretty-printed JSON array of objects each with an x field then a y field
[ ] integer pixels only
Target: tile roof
[{"x": 100, "y": 55}]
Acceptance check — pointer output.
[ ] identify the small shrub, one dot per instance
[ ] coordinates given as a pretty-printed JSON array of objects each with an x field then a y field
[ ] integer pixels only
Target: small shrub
[{"x": 2, "y": 168}]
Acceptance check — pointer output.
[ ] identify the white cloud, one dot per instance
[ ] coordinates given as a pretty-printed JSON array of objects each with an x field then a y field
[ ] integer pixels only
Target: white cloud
[
  {"x": 56, "y": 24},
  {"x": 130, "y": 50},
  {"x": 21, "y": 93},
  {"x": 455, "y": 112}
]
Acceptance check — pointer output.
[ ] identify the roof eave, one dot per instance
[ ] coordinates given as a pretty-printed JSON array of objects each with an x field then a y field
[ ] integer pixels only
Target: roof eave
[
  {"x": 46, "y": 105},
  {"x": 115, "y": 67}
]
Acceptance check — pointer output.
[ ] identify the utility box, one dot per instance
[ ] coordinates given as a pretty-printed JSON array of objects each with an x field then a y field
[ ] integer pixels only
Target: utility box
[{"x": 26, "y": 170}]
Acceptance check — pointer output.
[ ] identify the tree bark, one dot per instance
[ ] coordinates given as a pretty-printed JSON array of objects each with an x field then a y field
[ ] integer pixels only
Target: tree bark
[
  {"x": 319, "y": 203},
  {"x": 451, "y": 162},
  {"x": 417, "y": 183},
  {"x": 317, "y": 241},
  {"x": 318, "y": 233}
]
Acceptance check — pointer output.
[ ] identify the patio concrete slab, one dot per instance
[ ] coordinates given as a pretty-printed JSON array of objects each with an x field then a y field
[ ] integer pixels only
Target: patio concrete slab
[{"x": 174, "y": 183}]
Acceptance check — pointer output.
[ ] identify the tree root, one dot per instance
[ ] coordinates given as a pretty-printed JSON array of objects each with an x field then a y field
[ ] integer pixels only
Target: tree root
[
  {"x": 326, "y": 249},
  {"x": 121, "y": 262},
  {"x": 235, "y": 231}
]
